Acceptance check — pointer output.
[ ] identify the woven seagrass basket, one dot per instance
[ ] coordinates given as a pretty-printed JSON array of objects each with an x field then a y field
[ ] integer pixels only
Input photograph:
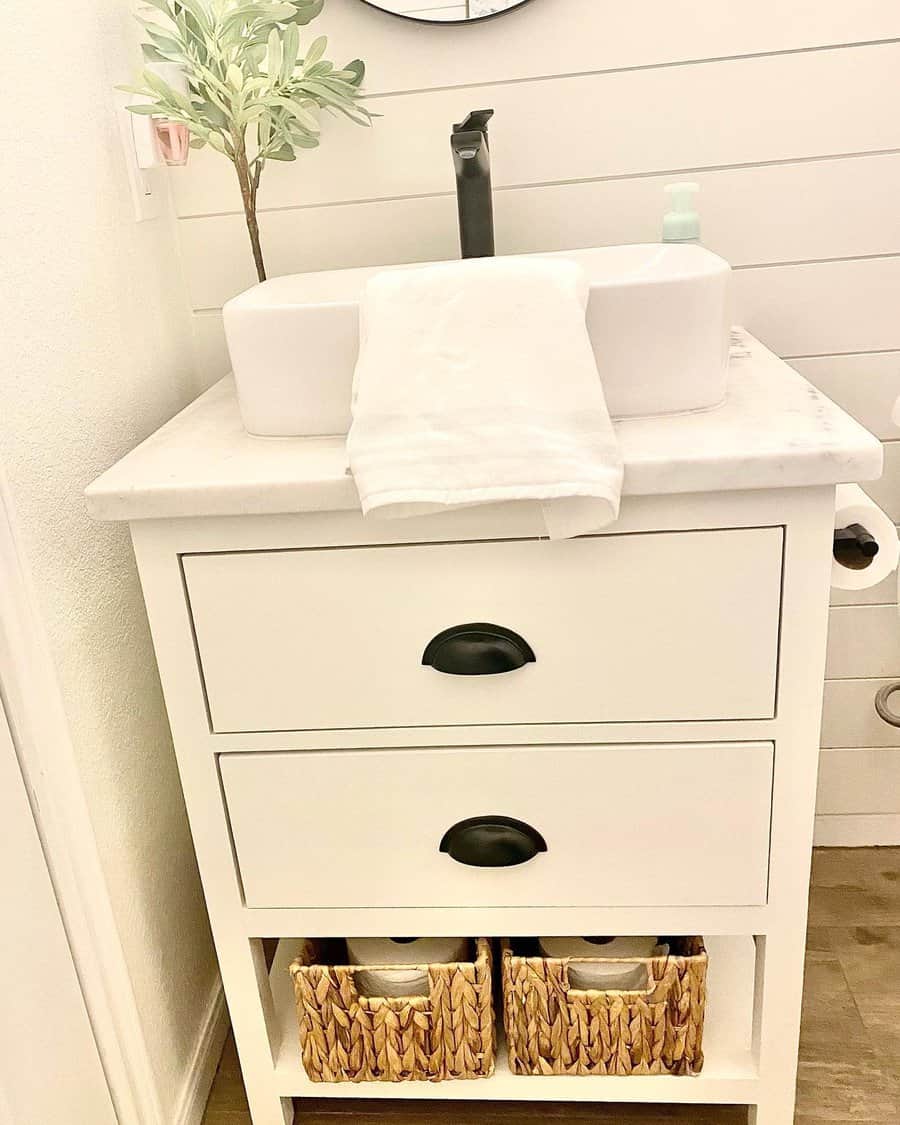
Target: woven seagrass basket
[
  {"x": 554, "y": 1029},
  {"x": 346, "y": 1037}
]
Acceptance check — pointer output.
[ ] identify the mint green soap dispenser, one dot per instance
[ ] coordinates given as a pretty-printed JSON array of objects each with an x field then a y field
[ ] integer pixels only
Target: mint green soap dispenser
[{"x": 681, "y": 223}]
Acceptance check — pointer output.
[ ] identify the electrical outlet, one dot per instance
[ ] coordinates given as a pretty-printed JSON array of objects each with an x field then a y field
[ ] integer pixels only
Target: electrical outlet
[{"x": 147, "y": 183}]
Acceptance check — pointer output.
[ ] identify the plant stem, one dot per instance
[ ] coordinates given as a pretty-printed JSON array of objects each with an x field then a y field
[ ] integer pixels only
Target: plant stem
[{"x": 249, "y": 186}]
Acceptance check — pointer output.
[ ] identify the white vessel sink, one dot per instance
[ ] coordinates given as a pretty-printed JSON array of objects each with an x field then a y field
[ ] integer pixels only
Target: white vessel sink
[{"x": 657, "y": 317}]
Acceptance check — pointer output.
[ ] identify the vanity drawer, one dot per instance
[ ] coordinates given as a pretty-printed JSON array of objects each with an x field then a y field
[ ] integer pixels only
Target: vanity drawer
[
  {"x": 662, "y": 825},
  {"x": 641, "y": 627}
]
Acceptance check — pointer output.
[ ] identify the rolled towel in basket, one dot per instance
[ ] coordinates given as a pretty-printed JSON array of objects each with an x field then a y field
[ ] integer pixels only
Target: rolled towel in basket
[
  {"x": 401, "y": 951},
  {"x": 606, "y": 975}
]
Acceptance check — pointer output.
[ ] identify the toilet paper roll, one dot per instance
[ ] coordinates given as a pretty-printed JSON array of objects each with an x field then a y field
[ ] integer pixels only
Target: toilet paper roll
[
  {"x": 629, "y": 946},
  {"x": 853, "y": 506},
  {"x": 393, "y": 951},
  {"x": 586, "y": 977},
  {"x": 383, "y": 982},
  {"x": 605, "y": 975}
]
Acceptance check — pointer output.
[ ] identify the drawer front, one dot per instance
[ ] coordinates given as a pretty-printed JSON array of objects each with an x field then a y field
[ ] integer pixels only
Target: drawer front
[
  {"x": 669, "y": 825},
  {"x": 667, "y": 626}
]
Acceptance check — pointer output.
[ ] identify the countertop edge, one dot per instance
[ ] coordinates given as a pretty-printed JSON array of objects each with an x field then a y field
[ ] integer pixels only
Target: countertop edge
[{"x": 162, "y": 478}]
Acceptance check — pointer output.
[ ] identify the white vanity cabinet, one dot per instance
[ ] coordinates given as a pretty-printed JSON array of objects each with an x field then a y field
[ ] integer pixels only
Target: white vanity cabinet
[{"x": 660, "y": 730}]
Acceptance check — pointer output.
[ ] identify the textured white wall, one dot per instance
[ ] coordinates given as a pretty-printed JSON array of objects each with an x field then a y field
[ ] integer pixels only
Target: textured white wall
[{"x": 96, "y": 354}]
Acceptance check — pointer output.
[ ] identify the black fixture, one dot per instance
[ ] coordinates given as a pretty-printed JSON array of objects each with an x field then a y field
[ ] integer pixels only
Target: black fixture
[
  {"x": 854, "y": 547},
  {"x": 472, "y": 161},
  {"x": 478, "y": 649},
  {"x": 492, "y": 841}
]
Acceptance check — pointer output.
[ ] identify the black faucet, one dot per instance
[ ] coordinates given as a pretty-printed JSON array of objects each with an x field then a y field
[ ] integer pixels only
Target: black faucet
[{"x": 472, "y": 161}]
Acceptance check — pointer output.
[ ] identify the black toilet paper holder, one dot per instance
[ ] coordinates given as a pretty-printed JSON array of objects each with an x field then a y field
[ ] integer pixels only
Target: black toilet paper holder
[{"x": 854, "y": 547}]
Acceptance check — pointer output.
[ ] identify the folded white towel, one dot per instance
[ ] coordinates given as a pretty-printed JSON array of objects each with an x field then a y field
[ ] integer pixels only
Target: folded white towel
[{"x": 476, "y": 383}]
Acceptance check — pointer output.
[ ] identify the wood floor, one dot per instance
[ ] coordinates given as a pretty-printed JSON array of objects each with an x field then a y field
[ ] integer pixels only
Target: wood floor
[{"x": 850, "y": 1044}]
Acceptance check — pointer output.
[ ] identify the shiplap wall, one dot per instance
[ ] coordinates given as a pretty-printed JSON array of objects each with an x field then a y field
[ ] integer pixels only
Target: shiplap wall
[{"x": 787, "y": 114}]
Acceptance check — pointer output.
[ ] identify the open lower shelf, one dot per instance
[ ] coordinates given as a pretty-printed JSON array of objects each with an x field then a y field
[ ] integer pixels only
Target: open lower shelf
[{"x": 729, "y": 1074}]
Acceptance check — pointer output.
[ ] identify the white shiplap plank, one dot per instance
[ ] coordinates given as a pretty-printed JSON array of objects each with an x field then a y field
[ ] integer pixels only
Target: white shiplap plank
[
  {"x": 886, "y": 492},
  {"x": 775, "y": 213},
  {"x": 741, "y": 111},
  {"x": 297, "y": 241},
  {"x": 858, "y": 830},
  {"x": 759, "y": 215},
  {"x": 866, "y": 386},
  {"x": 210, "y": 350},
  {"x": 548, "y": 36},
  {"x": 863, "y": 640},
  {"x": 849, "y": 718},
  {"x": 859, "y": 781},
  {"x": 822, "y": 308}
]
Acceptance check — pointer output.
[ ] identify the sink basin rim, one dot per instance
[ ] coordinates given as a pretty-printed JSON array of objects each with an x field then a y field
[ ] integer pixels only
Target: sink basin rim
[{"x": 287, "y": 290}]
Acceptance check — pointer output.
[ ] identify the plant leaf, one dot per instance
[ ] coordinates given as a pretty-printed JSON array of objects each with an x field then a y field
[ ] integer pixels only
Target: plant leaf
[
  {"x": 273, "y": 53},
  {"x": 212, "y": 113},
  {"x": 198, "y": 10},
  {"x": 165, "y": 92},
  {"x": 358, "y": 69},
  {"x": 316, "y": 51},
  {"x": 166, "y": 43},
  {"x": 290, "y": 46},
  {"x": 306, "y": 119},
  {"x": 307, "y": 10},
  {"x": 283, "y": 153},
  {"x": 280, "y": 12},
  {"x": 304, "y": 140}
]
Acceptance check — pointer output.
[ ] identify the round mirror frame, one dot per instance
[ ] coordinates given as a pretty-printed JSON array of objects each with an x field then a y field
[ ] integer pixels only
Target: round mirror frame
[{"x": 379, "y": 6}]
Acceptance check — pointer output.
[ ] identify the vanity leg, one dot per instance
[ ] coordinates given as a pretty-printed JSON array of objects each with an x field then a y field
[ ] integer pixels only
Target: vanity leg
[
  {"x": 242, "y": 961},
  {"x": 265, "y": 1111},
  {"x": 780, "y": 953},
  {"x": 253, "y": 1023},
  {"x": 771, "y": 1112},
  {"x": 776, "y": 1026}
]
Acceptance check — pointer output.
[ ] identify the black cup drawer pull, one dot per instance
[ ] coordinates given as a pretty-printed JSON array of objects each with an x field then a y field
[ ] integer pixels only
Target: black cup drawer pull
[
  {"x": 477, "y": 649},
  {"x": 492, "y": 841}
]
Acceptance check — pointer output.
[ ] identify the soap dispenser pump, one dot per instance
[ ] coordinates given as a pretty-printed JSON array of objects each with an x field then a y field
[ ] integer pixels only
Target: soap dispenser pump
[{"x": 681, "y": 223}]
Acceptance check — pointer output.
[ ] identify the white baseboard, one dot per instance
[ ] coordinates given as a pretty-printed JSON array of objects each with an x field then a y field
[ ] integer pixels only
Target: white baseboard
[
  {"x": 201, "y": 1070},
  {"x": 858, "y": 830}
]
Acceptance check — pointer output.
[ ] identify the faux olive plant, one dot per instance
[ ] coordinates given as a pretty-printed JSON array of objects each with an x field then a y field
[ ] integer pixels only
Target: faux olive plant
[{"x": 253, "y": 96}]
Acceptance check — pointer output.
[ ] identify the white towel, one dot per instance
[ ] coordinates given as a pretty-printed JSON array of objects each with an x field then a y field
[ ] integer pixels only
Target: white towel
[{"x": 476, "y": 383}]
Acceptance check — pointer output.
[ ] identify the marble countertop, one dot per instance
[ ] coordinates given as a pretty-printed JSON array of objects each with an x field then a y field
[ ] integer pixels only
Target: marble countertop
[{"x": 774, "y": 430}]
